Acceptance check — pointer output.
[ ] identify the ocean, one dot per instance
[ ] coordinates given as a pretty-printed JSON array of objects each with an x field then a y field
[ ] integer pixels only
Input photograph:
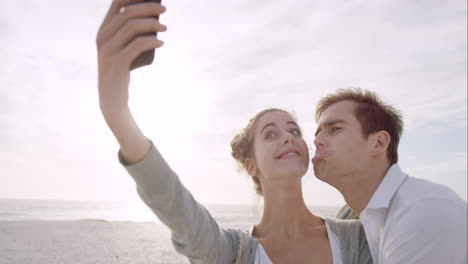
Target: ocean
[{"x": 226, "y": 215}]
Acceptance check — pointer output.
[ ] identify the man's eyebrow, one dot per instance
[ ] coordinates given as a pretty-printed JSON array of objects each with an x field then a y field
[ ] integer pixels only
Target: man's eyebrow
[{"x": 328, "y": 124}]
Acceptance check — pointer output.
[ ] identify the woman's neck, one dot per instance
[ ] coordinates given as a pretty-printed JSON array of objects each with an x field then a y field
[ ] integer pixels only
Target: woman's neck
[{"x": 285, "y": 214}]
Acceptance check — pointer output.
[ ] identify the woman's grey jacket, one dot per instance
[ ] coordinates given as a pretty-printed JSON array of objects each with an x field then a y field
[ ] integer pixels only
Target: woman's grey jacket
[{"x": 196, "y": 234}]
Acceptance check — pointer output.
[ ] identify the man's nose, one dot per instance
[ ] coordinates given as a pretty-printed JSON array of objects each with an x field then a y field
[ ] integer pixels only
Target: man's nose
[{"x": 319, "y": 141}]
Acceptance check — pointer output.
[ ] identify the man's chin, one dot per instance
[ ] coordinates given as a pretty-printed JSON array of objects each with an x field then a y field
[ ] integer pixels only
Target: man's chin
[
  {"x": 320, "y": 177},
  {"x": 321, "y": 173}
]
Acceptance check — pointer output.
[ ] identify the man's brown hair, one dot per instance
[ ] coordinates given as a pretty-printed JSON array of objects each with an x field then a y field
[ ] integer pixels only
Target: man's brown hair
[{"x": 372, "y": 114}]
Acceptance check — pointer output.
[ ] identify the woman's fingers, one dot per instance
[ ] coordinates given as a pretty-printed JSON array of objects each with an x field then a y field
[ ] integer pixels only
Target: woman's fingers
[
  {"x": 137, "y": 46},
  {"x": 129, "y": 31},
  {"x": 132, "y": 29},
  {"x": 117, "y": 21},
  {"x": 115, "y": 8}
]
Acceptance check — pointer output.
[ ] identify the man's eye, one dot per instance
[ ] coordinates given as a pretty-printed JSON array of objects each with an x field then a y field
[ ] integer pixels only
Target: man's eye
[{"x": 334, "y": 129}]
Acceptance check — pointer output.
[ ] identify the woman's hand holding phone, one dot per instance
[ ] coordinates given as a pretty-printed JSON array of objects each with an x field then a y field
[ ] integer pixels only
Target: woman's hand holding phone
[{"x": 127, "y": 31}]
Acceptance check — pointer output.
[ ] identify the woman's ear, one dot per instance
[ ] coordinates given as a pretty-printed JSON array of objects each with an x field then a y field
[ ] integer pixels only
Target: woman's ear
[
  {"x": 381, "y": 143},
  {"x": 250, "y": 167}
]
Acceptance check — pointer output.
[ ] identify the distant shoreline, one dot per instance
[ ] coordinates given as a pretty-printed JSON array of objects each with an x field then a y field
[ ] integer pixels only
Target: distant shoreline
[{"x": 57, "y": 210}]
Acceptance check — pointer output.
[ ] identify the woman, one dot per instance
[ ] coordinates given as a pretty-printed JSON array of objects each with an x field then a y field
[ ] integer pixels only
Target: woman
[{"x": 271, "y": 149}]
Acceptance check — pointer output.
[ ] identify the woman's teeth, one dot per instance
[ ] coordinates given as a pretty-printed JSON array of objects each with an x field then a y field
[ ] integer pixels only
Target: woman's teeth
[{"x": 290, "y": 155}]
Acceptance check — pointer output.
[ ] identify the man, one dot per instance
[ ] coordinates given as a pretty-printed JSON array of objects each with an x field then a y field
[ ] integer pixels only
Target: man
[{"x": 407, "y": 220}]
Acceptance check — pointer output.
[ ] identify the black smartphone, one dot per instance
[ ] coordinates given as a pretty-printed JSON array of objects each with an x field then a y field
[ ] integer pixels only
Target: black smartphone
[{"x": 146, "y": 57}]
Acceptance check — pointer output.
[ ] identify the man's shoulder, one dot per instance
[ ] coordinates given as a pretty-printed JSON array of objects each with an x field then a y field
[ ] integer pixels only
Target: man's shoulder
[
  {"x": 416, "y": 189},
  {"x": 416, "y": 192},
  {"x": 425, "y": 223}
]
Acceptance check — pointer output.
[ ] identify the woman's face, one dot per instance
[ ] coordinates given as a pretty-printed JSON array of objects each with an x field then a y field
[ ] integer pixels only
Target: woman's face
[{"x": 279, "y": 149}]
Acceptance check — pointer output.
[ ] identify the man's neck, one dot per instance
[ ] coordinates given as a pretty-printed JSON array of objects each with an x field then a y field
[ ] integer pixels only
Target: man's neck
[{"x": 360, "y": 188}]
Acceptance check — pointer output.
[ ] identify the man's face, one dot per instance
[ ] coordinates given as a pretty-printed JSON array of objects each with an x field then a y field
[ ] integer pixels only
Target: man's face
[{"x": 341, "y": 149}]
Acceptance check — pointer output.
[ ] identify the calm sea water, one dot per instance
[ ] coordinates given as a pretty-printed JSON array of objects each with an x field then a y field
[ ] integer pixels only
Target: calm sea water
[{"x": 226, "y": 215}]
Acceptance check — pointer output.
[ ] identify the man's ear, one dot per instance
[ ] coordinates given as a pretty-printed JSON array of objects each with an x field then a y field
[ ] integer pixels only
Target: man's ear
[
  {"x": 381, "y": 142},
  {"x": 250, "y": 167}
]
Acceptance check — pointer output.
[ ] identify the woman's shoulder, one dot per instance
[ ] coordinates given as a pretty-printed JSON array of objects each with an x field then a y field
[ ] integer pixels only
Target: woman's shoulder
[
  {"x": 245, "y": 245},
  {"x": 351, "y": 239},
  {"x": 343, "y": 224},
  {"x": 346, "y": 230}
]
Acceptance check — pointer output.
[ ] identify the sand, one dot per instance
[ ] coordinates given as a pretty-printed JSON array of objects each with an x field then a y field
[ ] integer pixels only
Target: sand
[{"x": 77, "y": 242}]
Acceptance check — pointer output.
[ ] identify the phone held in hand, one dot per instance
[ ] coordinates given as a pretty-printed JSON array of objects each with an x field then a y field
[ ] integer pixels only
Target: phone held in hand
[{"x": 146, "y": 57}]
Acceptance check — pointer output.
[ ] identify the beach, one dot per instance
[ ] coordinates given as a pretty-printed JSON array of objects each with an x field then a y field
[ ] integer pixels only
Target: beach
[
  {"x": 78, "y": 232},
  {"x": 80, "y": 242}
]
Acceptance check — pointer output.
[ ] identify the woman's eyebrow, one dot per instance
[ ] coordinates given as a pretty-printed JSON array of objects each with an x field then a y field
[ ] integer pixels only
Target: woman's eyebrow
[
  {"x": 292, "y": 123},
  {"x": 269, "y": 124},
  {"x": 274, "y": 124}
]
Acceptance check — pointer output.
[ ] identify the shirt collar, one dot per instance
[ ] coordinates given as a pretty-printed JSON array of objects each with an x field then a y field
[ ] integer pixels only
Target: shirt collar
[{"x": 387, "y": 188}]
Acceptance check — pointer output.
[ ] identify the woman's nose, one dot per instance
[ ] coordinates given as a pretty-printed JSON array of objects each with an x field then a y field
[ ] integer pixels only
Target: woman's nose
[{"x": 288, "y": 138}]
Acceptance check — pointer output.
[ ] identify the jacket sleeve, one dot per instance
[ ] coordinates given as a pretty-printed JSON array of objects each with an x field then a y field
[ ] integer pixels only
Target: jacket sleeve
[{"x": 195, "y": 233}]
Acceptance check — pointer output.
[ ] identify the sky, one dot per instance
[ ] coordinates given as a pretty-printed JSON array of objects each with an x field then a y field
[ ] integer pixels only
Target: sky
[{"x": 222, "y": 62}]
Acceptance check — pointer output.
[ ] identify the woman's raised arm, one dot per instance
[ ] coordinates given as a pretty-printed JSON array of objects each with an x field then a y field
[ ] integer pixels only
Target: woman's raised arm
[
  {"x": 194, "y": 231},
  {"x": 119, "y": 42}
]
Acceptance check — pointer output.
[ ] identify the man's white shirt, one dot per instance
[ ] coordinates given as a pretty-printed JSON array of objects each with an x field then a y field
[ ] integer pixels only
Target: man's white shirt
[{"x": 410, "y": 220}]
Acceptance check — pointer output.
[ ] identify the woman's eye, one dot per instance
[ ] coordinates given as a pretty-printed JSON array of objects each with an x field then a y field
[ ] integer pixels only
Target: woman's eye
[
  {"x": 270, "y": 135},
  {"x": 296, "y": 132}
]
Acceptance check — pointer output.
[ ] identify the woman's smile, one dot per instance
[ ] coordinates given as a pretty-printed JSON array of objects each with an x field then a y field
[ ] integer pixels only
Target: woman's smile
[{"x": 288, "y": 154}]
